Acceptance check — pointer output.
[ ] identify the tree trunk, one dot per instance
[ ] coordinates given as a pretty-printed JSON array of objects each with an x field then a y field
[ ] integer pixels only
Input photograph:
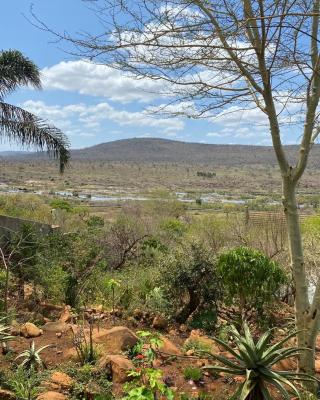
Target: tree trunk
[
  {"x": 307, "y": 317},
  {"x": 190, "y": 307}
]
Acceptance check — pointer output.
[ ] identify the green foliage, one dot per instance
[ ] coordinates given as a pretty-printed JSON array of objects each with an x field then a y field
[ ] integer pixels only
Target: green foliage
[
  {"x": 89, "y": 376},
  {"x": 61, "y": 204},
  {"x": 190, "y": 281},
  {"x": 145, "y": 351},
  {"x": 250, "y": 279},
  {"x": 24, "y": 384},
  {"x": 25, "y": 245},
  {"x": 174, "y": 227},
  {"x": 147, "y": 384},
  {"x": 156, "y": 301},
  {"x": 197, "y": 346},
  {"x": 192, "y": 373},
  {"x": 88, "y": 352},
  {"x": 254, "y": 360},
  {"x": 31, "y": 359}
]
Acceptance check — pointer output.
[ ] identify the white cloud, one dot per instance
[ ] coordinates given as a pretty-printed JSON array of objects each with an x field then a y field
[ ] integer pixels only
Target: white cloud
[
  {"x": 99, "y": 80},
  {"x": 85, "y": 120}
]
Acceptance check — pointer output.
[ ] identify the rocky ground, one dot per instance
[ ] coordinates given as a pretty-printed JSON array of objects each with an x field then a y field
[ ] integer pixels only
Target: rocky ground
[{"x": 114, "y": 337}]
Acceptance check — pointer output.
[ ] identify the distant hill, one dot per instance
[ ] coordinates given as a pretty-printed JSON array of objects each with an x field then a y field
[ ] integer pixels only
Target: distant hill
[{"x": 162, "y": 150}]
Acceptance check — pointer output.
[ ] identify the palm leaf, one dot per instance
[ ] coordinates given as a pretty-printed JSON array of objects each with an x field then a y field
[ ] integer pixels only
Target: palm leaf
[
  {"x": 21, "y": 126},
  {"x": 17, "y": 70}
]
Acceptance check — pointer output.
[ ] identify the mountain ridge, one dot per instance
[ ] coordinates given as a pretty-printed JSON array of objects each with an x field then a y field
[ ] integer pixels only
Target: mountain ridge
[{"x": 173, "y": 151}]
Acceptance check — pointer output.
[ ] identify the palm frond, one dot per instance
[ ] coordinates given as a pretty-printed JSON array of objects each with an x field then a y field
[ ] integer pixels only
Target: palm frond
[
  {"x": 17, "y": 70},
  {"x": 21, "y": 126}
]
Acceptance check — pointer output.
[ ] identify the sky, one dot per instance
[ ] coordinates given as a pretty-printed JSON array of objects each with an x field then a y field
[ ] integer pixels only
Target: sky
[{"x": 92, "y": 103}]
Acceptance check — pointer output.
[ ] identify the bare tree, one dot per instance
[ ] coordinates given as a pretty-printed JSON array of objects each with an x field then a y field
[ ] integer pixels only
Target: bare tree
[{"x": 213, "y": 56}]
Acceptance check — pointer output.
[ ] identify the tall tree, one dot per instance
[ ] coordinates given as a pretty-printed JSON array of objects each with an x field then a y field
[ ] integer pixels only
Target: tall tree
[
  {"x": 19, "y": 125},
  {"x": 218, "y": 56}
]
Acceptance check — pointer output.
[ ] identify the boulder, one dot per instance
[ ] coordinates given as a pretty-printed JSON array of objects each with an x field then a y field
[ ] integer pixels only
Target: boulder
[
  {"x": 117, "y": 339},
  {"x": 62, "y": 380},
  {"x": 30, "y": 330},
  {"x": 14, "y": 330},
  {"x": 203, "y": 341},
  {"x": 56, "y": 327},
  {"x": 66, "y": 315},
  {"x": 7, "y": 395},
  {"x": 118, "y": 365},
  {"x": 51, "y": 396},
  {"x": 159, "y": 322},
  {"x": 168, "y": 348},
  {"x": 317, "y": 366}
]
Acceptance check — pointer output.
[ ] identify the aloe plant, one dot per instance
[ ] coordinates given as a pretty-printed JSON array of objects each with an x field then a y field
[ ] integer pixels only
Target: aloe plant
[
  {"x": 254, "y": 360},
  {"x": 31, "y": 357},
  {"x": 5, "y": 335}
]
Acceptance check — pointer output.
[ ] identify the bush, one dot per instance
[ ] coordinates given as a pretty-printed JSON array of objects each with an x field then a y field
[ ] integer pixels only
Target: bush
[
  {"x": 190, "y": 281},
  {"x": 195, "y": 374},
  {"x": 250, "y": 279}
]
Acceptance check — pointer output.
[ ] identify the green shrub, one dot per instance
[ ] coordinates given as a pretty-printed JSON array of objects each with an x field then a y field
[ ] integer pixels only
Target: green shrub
[
  {"x": 250, "y": 279},
  {"x": 197, "y": 346},
  {"x": 190, "y": 280},
  {"x": 24, "y": 384},
  {"x": 195, "y": 374}
]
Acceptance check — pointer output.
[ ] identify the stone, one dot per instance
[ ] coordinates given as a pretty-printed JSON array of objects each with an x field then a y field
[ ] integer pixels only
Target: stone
[
  {"x": 66, "y": 315},
  {"x": 183, "y": 328},
  {"x": 30, "y": 330},
  {"x": 118, "y": 365},
  {"x": 7, "y": 395},
  {"x": 63, "y": 380},
  {"x": 168, "y": 349},
  {"x": 317, "y": 366},
  {"x": 15, "y": 329},
  {"x": 159, "y": 322},
  {"x": 59, "y": 335},
  {"x": 119, "y": 338},
  {"x": 202, "y": 340},
  {"x": 51, "y": 396},
  {"x": 56, "y": 327},
  {"x": 137, "y": 314},
  {"x": 288, "y": 364}
]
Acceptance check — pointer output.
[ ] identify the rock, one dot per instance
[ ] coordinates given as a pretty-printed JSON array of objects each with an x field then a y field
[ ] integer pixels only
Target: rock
[
  {"x": 118, "y": 365},
  {"x": 117, "y": 339},
  {"x": 66, "y": 315},
  {"x": 168, "y": 349},
  {"x": 203, "y": 341},
  {"x": 7, "y": 395},
  {"x": 137, "y": 314},
  {"x": 30, "y": 330},
  {"x": 14, "y": 330},
  {"x": 317, "y": 366},
  {"x": 51, "y": 396},
  {"x": 159, "y": 322},
  {"x": 183, "y": 328},
  {"x": 59, "y": 335},
  {"x": 69, "y": 354},
  {"x": 56, "y": 327},
  {"x": 98, "y": 308},
  {"x": 62, "y": 380},
  {"x": 288, "y": 364}
]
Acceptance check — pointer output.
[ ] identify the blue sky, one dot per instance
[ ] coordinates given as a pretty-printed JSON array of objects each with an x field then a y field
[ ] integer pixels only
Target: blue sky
[{"x": 94, "y": 104}]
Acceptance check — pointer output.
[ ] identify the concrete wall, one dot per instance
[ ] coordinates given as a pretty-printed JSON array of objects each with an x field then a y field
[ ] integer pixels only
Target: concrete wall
[{"x": 10, "y": 225}]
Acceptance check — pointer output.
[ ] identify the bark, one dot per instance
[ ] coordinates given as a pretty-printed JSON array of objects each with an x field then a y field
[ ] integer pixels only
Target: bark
[
  {"x": 189, "y": 308},
  {"x": 307, "y": 315}
]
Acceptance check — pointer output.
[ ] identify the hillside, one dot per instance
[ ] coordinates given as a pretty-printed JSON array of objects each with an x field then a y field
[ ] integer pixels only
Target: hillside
[{"x": 161, "y": 150}]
